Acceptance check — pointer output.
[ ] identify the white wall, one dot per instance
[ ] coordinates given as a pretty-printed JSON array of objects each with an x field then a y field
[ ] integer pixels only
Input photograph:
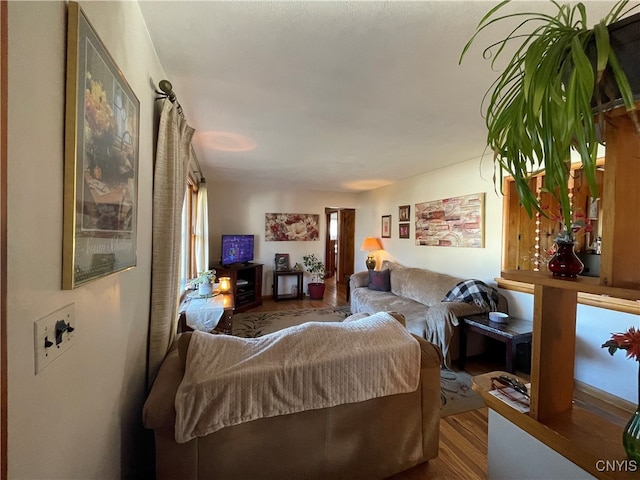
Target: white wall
[
  {"x": 460, "y": 179},
  {"x": 81, "y": 416},
  {"x": 240, "y": 209},
  {"x": 594, "y": 365}
]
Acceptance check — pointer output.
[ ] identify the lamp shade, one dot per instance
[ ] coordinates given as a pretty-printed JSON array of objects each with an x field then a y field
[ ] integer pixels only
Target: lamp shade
[{"x": 370, "y": 244}]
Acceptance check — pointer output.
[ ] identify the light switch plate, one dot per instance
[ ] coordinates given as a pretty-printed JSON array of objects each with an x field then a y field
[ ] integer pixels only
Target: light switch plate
[{"x": 54, "y": 335}]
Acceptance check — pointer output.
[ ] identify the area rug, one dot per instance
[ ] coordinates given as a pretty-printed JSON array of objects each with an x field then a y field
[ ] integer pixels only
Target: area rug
[
  {"x": 455, "y": 386},
  {"x": 456, "y": 393},
  {"x": 252, "y": 325}
]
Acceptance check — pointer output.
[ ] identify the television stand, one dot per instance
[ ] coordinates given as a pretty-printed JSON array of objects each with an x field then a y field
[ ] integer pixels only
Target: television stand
[{"x": 246, "y": 283}]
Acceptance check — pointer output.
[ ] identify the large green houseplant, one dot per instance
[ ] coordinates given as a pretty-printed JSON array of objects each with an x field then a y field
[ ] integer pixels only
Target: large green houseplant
[{"x": 541, "y": 107}]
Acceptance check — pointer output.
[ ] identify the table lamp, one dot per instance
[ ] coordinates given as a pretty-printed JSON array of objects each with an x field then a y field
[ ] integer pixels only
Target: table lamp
[
  {"x": 225, "y": 284},
  {"x": 370, "y": 244}
]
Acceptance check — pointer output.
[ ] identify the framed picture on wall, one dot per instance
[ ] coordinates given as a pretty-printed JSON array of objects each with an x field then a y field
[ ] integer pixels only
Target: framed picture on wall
[
  {"x": 451, "y": 222},
  {"x": 102, "y": 116},
  {"x": 403, "y": 230},
  {"x": 403, "y": 213},
  {"x": 282, "y": 262},
  {"x": 386, "y": 226},
  {"x": 593, "y": 208}
]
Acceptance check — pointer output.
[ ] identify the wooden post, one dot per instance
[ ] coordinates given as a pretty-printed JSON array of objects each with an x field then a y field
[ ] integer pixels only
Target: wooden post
[
  {"x": 620, "y": 260},
  {"x": 553, "y": 349}
]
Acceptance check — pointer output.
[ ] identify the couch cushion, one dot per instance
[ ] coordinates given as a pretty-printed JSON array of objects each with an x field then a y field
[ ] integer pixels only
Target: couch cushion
[
  {"x": 370, "y": 301},
  {"x": 379, "y": 280},
  {"x": 423, "y": 286}
]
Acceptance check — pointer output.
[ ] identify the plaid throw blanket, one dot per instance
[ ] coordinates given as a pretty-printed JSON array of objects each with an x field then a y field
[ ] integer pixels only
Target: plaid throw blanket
[{"x": 474, "y": 291}]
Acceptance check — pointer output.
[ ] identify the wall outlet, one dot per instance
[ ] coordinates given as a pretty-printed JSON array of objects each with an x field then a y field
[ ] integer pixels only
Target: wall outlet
[{"x": 54, "y": 335}]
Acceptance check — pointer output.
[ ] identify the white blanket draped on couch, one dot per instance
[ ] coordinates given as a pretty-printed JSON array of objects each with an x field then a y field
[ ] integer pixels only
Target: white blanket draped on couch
[{"x": 230, "y": 380}]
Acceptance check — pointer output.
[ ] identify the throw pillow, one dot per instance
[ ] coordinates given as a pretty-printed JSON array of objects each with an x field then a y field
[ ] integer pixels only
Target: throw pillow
[
  {"x": 379, "y": 280},
  {"x": 476, "y": 292}
]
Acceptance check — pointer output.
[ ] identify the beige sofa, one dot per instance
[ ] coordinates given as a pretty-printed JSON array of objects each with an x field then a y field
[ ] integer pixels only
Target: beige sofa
[
  {"x": 417, "y": 294},
  {"x": 370, "y": 440}
]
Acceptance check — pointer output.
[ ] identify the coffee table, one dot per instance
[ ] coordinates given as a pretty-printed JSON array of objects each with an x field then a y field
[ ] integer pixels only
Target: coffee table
[{"x": 513, "y": 333}]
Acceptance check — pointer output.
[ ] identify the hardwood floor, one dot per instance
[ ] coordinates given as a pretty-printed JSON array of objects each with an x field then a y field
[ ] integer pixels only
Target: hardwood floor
[
  {"x": 334, "y": 296},
  {"x": 462, "y": 453},
  {"x": 463, "y": 437}
]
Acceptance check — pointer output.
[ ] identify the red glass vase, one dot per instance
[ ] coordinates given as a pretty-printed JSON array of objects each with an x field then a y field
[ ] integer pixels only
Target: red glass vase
[{"x": 565, "y": 263}]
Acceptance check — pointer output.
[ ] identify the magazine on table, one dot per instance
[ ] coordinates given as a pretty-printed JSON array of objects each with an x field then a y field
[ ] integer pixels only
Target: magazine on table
[{"x": 513, "y": 398}]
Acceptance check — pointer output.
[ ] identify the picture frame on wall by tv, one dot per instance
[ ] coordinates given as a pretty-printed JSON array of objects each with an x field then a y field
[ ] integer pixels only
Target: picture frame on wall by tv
[{"x": 102, "y": 115}]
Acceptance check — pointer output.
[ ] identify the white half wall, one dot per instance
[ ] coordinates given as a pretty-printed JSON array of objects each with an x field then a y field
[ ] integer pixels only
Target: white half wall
[{"x": 513, "y": 453}]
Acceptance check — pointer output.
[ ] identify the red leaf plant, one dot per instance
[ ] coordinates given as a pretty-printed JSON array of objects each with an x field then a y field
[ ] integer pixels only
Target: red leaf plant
[{"x": 629, "y": 341}]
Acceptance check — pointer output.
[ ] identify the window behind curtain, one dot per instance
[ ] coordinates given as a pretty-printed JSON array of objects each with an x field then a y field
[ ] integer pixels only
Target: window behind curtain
[{"x": 189, "y": 213}]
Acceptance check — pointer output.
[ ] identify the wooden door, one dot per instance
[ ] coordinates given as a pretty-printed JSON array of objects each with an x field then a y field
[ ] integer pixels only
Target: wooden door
[{"x": 346, "y": 242}]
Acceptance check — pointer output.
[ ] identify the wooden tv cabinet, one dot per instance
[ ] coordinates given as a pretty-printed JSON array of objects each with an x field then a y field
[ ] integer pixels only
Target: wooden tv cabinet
[{"x": 246, "y": 283}]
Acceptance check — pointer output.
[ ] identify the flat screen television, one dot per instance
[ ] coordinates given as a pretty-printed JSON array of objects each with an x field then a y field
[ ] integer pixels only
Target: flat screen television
[{"x": 236, "y": 249}]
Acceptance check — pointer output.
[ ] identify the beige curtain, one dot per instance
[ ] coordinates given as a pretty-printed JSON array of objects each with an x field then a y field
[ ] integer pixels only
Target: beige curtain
[
  {"x": 202, "y": 229},
  {"x": 169, "y": 187}
]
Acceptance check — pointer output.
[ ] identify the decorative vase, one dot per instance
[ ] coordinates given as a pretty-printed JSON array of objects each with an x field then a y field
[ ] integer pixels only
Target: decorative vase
[
  {"x": 631, "y": 437},
  {"x": 565, "y": 263},
  {"x": 205, "y": 289},
  {"x": 631, "y": 433}
]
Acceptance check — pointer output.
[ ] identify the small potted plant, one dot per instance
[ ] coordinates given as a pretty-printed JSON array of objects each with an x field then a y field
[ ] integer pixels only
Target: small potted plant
[
  {"x": 316, "y": 268},
  {"x": 203, "y": 282}
]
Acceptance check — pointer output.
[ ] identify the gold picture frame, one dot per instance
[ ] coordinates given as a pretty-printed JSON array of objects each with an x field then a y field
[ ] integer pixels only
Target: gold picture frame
[{"x": 102, "y": 117}]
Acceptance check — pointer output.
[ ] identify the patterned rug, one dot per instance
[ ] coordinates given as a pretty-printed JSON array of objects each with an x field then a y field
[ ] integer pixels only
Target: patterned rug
[
  {"x": 455, "y": 386},
  {"x": 456, "y": 393},
  {"x": 252, "y": 325}
]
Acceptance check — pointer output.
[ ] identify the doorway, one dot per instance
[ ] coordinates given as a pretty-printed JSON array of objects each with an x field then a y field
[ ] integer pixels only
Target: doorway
[{"x": 339, "y": 243}]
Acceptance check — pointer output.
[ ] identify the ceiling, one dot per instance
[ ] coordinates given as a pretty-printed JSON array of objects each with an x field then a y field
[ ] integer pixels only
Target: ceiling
[{"x": 328, "y": 95}]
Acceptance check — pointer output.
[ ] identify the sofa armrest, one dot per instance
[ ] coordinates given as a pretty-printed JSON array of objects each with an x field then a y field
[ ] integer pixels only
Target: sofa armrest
[
  {"x": 359, "y": 280},
  {"x": 158, "y": 412},
  {"x": 430, "y": 395},
  {"x": 431, "y": 354}
]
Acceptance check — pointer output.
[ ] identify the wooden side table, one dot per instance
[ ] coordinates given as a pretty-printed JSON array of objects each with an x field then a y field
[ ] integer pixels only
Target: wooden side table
[
  {"x": 287, "y": 273},
  {"x": 512, "y": 334}
]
